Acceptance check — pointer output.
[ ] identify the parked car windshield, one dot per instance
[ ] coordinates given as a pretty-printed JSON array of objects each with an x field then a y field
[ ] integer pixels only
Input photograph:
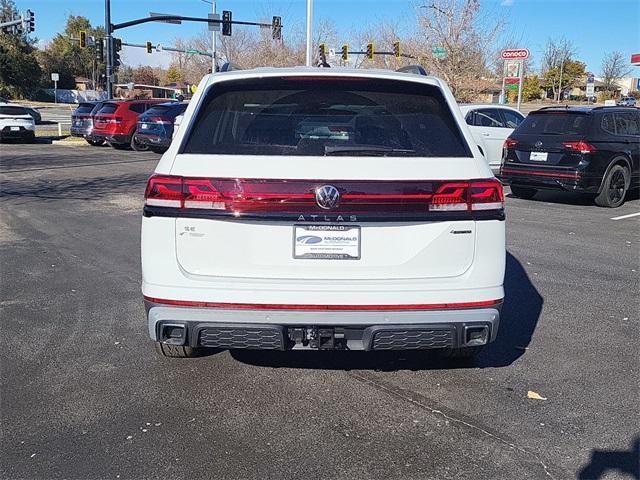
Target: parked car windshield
[
  {"x": 326, "y": 116},
  {"x": 554, "y": 123},
  {"x": 13, "y": 111}
]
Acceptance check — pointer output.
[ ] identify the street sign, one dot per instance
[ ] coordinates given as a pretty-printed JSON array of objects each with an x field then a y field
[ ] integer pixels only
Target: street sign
[
  {"x": 591, "y": 90},
  {"x": 159, "y": 47},
  {"x": 55, "y": 77},
  {"x": 511, "y": 81},
  {"x": 332, "y": 53},
  {"x": 439, "y": 52},
  {"x": 638, "y": 84},
  {"x": 511, "y": 86},
  {"x": 154, "y": 14},
  {"x": 194, "y": 88},
  {"x": 514, "y": 54},
  {"x": 214, "y": 26}
]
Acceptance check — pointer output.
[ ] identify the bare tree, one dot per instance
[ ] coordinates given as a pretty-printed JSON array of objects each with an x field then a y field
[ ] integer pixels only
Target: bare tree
[
  {"x": 465, "y": 34},
  {"x": 614, "y": 67},
  {"x": 554, "y": 59}
]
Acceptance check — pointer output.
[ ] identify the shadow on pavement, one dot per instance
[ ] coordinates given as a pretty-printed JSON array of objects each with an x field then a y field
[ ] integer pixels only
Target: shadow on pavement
[
  {"x": 520, "y": 314},
  {"x": 607, "y": 461},
  {"x": 568, "y": 198}
]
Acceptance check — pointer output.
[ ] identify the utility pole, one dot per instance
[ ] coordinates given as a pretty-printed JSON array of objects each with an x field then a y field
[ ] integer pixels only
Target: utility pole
[
  {"x": 213, "y": 41},
  {"x": 309, "y": 32},
  {"x": 109, "y": 45}
]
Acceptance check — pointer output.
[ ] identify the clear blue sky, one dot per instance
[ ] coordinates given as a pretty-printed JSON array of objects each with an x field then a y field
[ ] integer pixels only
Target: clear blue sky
[{"x": 595, "y": 26}]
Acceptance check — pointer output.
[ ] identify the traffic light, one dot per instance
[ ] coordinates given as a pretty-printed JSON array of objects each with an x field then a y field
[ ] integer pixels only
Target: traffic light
[
  {"x": 396, "y": 49},
  {"x": 83, "y": 39},
  {"x": 345, "y": 52},
  {"x": 31, "y": 21},
  {"x": 149, "y": 47},
  {"x": 323, "y": 53},
  {"x": 226, "y": 23},
  {"x": 276, "y": 28},
  {"x": 370, "y": 51},
  {"x": 115, "y": 51},
  {"x": 99, "y": 50}
]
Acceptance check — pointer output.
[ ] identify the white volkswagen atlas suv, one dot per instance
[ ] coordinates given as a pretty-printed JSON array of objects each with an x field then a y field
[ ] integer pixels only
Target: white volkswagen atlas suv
[{"x": 322, "y": 209}]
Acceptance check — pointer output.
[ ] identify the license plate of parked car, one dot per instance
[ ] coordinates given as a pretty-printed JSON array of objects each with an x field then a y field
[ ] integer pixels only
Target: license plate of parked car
[
  {"x": 538, "y": 156},
  {"x": 327, "y": 242}
]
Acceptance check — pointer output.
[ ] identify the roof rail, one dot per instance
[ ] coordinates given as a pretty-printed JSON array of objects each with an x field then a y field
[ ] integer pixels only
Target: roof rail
[
  {"x": 228, "y": 67},
  {"x": 415, "y": 69}
]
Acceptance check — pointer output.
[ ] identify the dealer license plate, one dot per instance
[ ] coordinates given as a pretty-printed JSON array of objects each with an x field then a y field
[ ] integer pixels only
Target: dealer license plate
[{"x": 326, "y": 242}]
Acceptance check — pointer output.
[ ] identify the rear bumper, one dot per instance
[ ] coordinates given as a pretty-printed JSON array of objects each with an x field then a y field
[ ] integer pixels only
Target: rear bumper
[
  {"x": 316, "y": 329},
  {"x": 22, "y": 133},
  {"x": 116, "y": 138},
  {"x": 153, "y": 140},
  {"x": 548, "y": 179}
]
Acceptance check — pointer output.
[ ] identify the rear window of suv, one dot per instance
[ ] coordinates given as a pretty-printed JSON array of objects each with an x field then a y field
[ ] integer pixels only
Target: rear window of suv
[
  {"x": 13, "y": 111},
  {"x": 84, "y": 108},
  {"x": 109, "y": 108},
  {"x": 325, "y": 116},
  {"x": 554, "y": 123}
]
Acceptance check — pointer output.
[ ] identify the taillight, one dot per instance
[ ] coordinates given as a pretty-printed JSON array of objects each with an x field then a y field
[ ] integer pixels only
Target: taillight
[
  {"x": 164, "y": 191},
  {"x": 158, "y": 119},
  {"x": 582, "y": 147},
  {"x": 252, "y": 196},
  {"x": 510, "y": 143}
]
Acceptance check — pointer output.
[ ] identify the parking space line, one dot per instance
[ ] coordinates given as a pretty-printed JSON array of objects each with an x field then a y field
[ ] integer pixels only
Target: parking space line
[{"x": 622, "y": 217}]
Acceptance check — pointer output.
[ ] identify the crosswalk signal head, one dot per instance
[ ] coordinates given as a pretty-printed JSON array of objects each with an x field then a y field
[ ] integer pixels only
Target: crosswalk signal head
[
  {"x": 83, "y": 39},
  {"x": 396, "y": 49},
  {"x": 149, "y": 47},
  {"x": 370, "y": 51},
  {"x": 276, "y": 28},
  {"x": 31, "y": 21},
  {"x": 226, "y": 23},
  {"x": 345, "y": 52}
]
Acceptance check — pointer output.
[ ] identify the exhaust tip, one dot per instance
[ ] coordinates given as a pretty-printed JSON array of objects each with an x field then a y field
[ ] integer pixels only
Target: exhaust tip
[
  {"x": 173, "y": 333},
  {"x": 476, "y": 335}
]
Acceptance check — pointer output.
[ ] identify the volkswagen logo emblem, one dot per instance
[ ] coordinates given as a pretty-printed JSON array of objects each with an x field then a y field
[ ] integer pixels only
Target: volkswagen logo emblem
[
  {"x": 327, "y": 197},
  {"x": 538, "y": 144}
]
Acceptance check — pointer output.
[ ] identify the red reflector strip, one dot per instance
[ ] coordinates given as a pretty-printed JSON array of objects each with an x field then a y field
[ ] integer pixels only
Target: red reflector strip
[
  {"x": 540, "y": 173},
  {"x": 272, "y": 306}
]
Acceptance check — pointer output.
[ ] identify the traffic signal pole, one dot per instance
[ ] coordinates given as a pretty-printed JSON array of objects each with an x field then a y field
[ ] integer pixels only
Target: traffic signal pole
[{"x": 109, "y": 47}]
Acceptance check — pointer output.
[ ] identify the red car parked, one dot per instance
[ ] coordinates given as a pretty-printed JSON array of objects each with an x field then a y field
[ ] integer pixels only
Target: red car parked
[{"x": 116, "y": 122}]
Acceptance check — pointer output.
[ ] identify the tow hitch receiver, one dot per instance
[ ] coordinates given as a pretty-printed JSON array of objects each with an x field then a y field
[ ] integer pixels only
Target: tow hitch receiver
[{"x": 318, "y": 338}]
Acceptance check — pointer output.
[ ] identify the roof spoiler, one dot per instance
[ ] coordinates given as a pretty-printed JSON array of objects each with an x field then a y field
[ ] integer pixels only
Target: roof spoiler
[
  {"x": 228, "y": 67},
  {"x": 415, "y": 69}
]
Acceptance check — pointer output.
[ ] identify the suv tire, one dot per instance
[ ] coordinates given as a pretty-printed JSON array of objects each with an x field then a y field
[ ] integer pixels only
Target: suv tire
[
  {"x": 462, "y": 352},
  {"x": 614, "y": 187},
  {"x": 178, "y": 351},
  {"x": 137, "y": 146},
  {"x": 523, "y": 192}
]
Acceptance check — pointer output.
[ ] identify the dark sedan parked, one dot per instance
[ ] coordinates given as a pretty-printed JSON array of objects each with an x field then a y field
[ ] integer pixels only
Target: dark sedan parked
[
  {"x": 82, "y": 122},
  {"x": 592, "y": 150},
  {"x": 155, "y": 126}
]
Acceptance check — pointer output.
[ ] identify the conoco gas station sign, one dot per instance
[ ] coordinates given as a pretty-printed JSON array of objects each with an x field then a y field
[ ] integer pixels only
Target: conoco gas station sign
[{"x": 515, "y": 54}]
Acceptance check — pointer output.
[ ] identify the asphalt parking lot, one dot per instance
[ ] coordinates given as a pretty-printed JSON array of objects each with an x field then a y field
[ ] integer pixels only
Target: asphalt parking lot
[{"x": 84, "y": 396}]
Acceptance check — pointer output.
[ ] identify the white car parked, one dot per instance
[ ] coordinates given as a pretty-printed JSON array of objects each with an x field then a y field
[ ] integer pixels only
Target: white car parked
[
  {"x": 16, "y": 123},
  {"x": 490, "y": 126},
  {"x": 311, "y": 208}
]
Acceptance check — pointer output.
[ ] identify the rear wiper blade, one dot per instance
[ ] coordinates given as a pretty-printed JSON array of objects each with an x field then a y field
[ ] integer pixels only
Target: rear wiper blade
[{"x": 371, "y": 149}]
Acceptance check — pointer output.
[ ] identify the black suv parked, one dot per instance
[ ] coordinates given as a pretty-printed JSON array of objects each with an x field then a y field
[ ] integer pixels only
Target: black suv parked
[{"x": 579, "y": 149}]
